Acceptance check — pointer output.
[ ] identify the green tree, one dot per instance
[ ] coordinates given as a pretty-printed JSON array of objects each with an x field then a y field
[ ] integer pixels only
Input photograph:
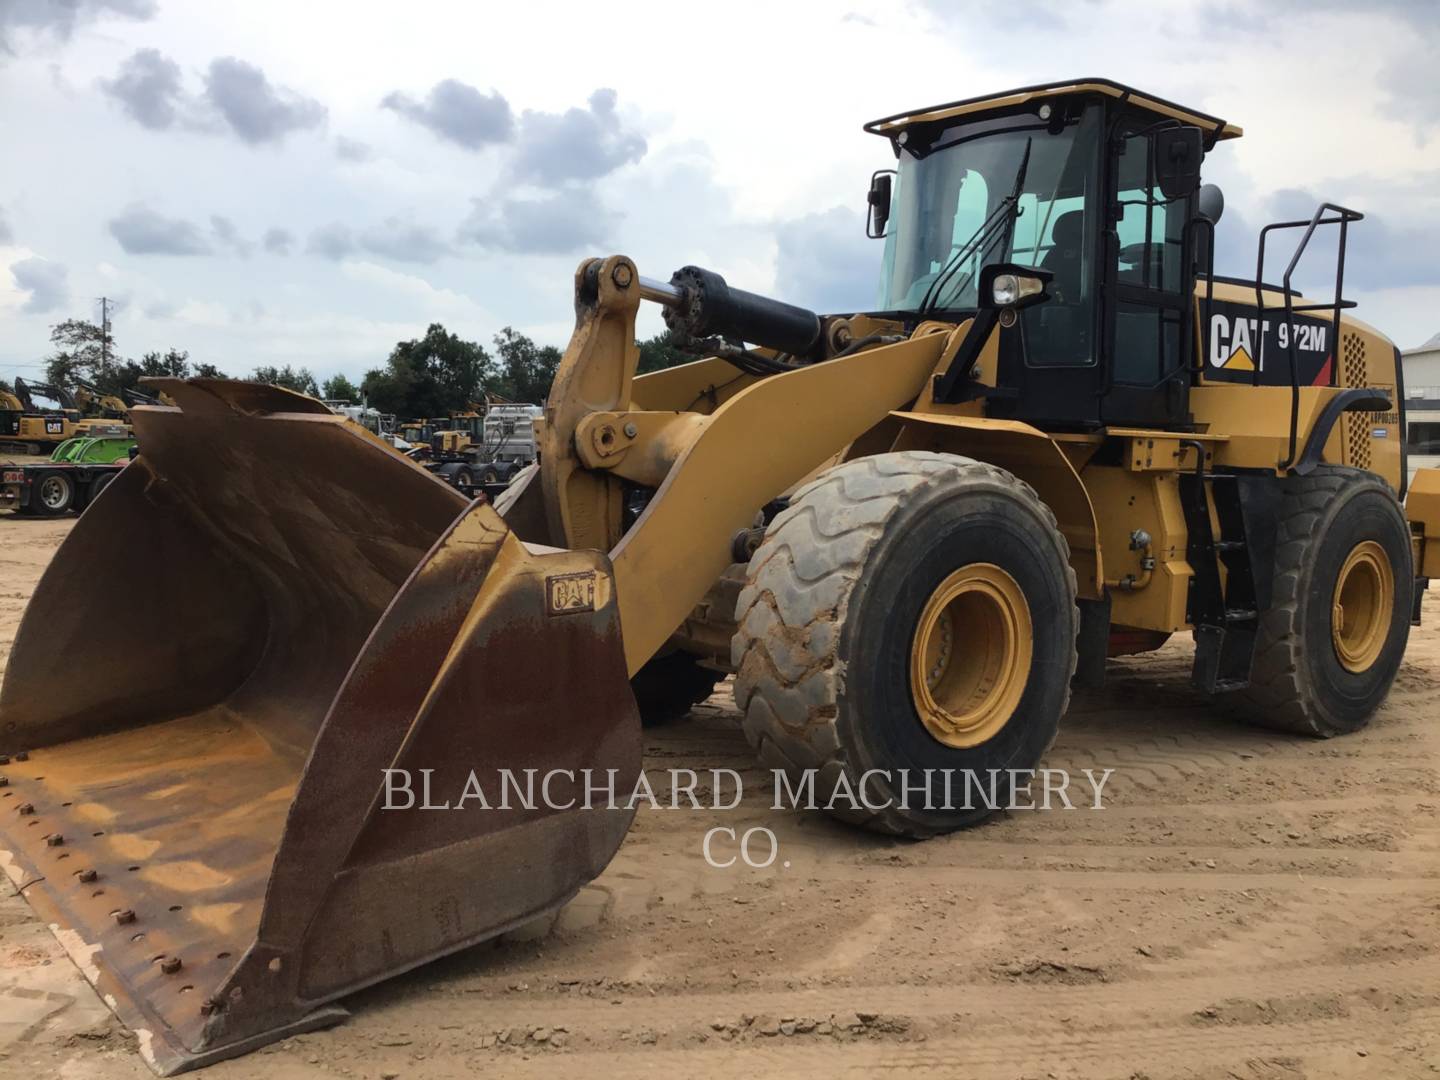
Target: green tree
[
  {"x": 209, "y": 371},
  {"x": 660, "y": 352},
  {"x": 5, "y": 387},
  {"x": 339, "y": 388},
  {"x": 430, "y": 376},
  {"x": 173, "y": 364},
  {"x": 290, "y": 378},
  {"x": 85, "y": 353},
  {"x": 528, "y": 368},
  {"x": 83, "y": 350}
]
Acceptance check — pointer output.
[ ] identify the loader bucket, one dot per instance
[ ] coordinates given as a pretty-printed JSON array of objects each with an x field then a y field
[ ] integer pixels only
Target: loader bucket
[{"x": 265, "y": 611}]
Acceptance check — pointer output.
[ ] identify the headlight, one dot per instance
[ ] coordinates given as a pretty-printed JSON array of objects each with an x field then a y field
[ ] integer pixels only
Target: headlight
[{"x": 1007, "y": 290}]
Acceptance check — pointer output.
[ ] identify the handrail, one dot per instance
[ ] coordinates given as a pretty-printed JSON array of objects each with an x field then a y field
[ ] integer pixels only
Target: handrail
[
  {"x": 1208, "y": 227},
  {"x": 1343, "y": 218}
]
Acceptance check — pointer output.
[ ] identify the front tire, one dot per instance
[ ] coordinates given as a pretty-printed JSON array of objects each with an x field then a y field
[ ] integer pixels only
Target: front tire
[
  {"x": 1329, "y": 646},
  {"x": 908, "y": 612}
]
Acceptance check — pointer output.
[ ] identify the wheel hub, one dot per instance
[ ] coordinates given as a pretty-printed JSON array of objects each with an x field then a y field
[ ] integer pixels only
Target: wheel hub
[
  {"x": 1360, "y": 611},
  {"x": 52, "y": 492},
  {"x": 970, "y": 657}
]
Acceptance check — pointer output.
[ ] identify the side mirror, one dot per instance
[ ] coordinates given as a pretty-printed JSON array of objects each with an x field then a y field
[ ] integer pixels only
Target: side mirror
[
  {"x": 878, "y": 203},
  {"x": 1007, "y": 286},
  {"x": 1178, "y": 153}
]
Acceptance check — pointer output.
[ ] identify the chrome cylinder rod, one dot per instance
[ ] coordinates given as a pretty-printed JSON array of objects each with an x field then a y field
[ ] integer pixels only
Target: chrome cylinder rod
[{"x": 661, "y": 292}]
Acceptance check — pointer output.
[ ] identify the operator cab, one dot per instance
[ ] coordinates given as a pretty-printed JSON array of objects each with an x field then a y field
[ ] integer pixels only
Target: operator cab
[{"x": 1068, "y": 215}]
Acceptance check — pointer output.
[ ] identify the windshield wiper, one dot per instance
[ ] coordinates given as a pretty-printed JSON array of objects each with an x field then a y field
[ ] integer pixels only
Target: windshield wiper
[{"x": 981, "y": 241}]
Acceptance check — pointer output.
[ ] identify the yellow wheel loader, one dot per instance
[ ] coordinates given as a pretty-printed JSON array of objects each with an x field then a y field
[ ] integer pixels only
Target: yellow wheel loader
[{"x": 1060, "y": 436}]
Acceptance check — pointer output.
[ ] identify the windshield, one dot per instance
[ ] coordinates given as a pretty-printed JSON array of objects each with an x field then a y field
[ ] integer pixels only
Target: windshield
[{"x": 951, "y": 211}]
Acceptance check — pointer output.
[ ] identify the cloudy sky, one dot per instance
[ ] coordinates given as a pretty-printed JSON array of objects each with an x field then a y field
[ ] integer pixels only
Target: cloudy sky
[{"x": 279, "y": 182}]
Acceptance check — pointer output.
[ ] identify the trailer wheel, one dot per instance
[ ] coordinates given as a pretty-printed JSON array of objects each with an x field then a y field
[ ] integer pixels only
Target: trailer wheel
[
  {"x": 1329, "y": 647},
  {"x": 461, "y": 478},
  {"x": 490, "y": 475},
  {"x": 53, "y": 494},
  {"x": 669, "y": 686},
  {"x": 99, "y": 484},
  {"x": 908, "y": 612}
]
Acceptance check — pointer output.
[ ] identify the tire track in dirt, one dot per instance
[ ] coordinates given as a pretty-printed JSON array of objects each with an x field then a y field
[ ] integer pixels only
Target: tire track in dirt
[{"x": 1248, "y": 904}]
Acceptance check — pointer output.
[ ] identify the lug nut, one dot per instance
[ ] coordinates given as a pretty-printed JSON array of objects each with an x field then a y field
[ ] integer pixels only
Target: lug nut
[
  {"x": 54, "y": 840},
  {"x": 169, "y": 964},
  {"x": 87, "y": 875},
  {"x": 26, "y": 808},
  {"x": 125, "y": 916}
]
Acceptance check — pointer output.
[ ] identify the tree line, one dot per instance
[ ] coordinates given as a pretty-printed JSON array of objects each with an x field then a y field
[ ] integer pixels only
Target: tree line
[{"x": 433, "y": 375}]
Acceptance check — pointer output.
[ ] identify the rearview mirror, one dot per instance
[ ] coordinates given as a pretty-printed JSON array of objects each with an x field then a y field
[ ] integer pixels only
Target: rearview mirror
[
  {"x": 878, "y": 203},
  {"x": 1178, "y": 153}
]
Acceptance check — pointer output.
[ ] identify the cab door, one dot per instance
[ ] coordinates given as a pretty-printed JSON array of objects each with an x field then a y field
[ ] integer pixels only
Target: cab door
[{"x": 1149, "y": 283}]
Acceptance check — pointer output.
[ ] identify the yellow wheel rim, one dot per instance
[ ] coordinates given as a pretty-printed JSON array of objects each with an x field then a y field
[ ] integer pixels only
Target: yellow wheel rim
[
  {"x": 1360, "y": 613},
  {"x": 970, "y": 658}
]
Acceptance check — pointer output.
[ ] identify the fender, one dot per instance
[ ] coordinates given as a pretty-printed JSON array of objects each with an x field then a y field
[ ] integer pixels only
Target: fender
[
  {"x": 1034, "y": 457},
  {"x": 1356, "y": 399}
]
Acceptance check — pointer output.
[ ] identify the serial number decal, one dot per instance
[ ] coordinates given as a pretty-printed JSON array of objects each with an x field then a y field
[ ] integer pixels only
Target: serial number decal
[{"x": 568, "y": 593}]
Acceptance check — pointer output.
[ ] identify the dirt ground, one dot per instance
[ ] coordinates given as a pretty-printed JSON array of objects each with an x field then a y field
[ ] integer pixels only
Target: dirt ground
[{"x": 1247, "y": 905}]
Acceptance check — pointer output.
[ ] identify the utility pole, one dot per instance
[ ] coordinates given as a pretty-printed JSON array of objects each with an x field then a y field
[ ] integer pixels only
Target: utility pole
[{"x": 105, "y": 334}]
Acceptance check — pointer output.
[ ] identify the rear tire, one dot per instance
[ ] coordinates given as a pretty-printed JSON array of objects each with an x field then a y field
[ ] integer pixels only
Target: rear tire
[
  {"x": 101, "y": 483},
  {"x": 1342, "y": 538},
  {"x": 87, "y": 495},
  {"x": 838, "y": 666},
  {"x": 52, "y": 494},
  {"x": 669, "y": 686}
]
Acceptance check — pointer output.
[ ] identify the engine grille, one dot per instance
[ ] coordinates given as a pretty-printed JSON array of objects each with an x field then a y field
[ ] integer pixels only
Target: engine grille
[
  {"x": 1357, "y": 431},
  {"x": 1356, "y": 371}
]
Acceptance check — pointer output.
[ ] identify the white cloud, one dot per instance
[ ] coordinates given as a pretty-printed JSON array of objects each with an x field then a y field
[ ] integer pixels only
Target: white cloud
[{"x": 753, "y": 178}]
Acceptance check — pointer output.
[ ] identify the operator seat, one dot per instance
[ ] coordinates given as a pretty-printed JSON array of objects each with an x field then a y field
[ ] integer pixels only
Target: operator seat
[
  {"x": 1065, "y": 258},
  {"x": 1058, "y": 331}
]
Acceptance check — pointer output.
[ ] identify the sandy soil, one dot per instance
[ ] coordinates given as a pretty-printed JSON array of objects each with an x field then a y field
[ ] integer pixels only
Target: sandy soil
[{"x": 1248, "y": 905}]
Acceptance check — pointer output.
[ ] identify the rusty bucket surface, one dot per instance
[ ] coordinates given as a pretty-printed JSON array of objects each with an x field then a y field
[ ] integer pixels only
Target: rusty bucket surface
[{"x": 197, "y": 806}]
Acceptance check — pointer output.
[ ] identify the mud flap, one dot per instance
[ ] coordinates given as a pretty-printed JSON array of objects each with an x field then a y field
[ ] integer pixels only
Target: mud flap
[{"x": 199, "y": 810}]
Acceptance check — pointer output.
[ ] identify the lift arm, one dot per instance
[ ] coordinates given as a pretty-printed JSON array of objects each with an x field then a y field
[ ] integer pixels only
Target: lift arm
[{"x": 713, "y": 472}]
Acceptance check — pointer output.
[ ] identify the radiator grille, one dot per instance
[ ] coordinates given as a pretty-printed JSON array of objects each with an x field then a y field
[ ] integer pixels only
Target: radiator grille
[
  {"x": 1357, "y": 372},
  {"x": 1358, "y": 432}
]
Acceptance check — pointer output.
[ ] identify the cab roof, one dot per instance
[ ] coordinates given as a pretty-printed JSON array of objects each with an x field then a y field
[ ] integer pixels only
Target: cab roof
[{"x": 890, "y": 126}]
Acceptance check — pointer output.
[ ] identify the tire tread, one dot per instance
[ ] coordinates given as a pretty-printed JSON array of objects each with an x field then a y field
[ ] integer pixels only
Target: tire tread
[{"x": 799, "y": 585}]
